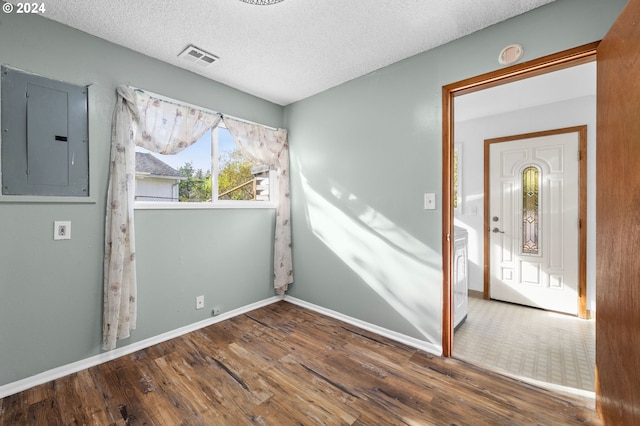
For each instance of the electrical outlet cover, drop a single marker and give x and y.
(199, 302)
(62, 230)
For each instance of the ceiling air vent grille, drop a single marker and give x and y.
(197, 56)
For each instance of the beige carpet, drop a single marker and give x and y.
(529, 343)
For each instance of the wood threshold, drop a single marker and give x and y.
(565, 59)
(285, 364)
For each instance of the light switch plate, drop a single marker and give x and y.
(62, 230)
(430, 201)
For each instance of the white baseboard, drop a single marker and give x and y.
(65, 370)
(393, 335)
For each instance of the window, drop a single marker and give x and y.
(211, 172)
(530, 207)
(457, 178)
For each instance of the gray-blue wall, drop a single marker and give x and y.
(51, 291)
(364, 153)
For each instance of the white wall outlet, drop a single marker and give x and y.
(216, 311)
(62, 230)
(199, 302)
(430, 201)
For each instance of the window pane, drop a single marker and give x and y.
(188, 176)
(530, 221)
(183, 177)
(455, 179)
(239, 178)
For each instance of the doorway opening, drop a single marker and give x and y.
(463, 205)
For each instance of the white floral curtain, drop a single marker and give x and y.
(159, 126)
(269, 146)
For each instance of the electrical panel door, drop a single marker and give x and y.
(45, 143)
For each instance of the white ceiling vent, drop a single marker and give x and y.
(198, 56)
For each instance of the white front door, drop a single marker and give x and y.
(534, 221)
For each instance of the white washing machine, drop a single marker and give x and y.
(460, 276)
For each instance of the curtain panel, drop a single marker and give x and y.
(167, 127)
(268, 146)
(159, 126)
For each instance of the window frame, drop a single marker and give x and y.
(215, 203)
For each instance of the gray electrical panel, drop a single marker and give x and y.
(44, 139)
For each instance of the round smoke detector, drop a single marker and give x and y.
(511, 54)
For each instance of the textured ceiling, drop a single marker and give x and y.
(287, 51)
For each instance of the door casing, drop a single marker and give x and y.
(565, 59)
(582, 200)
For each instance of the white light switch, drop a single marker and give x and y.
(62, 230)
(430, 201)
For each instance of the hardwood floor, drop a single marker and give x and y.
(286, 365)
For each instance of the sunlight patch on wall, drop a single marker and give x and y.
(402, 270)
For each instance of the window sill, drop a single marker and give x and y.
(198, 206)
(42, 199)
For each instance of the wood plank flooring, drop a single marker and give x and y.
(286, 365)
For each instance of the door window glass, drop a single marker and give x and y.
(530, 204)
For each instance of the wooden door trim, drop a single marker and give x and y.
(565, 59)
(582, 213)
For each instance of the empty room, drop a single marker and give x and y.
(248, 211)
